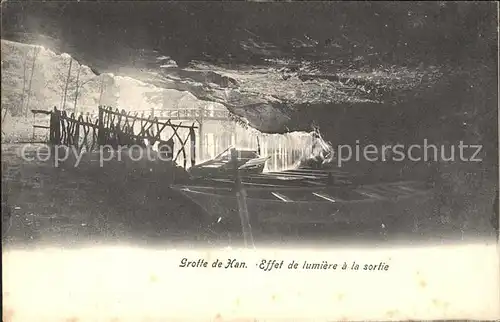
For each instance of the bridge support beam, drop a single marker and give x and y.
(201, 145)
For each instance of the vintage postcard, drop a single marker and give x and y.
(249, 161)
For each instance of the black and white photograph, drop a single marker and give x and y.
(243, 125)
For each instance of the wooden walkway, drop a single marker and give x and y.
(116, 129)
(196, 114)
(310, 185)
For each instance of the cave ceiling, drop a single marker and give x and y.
(269, 62)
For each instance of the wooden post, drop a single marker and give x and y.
(201, 144)
(57, 126)
(200, 133)
(52, 127)
(76, 135)
(101, 139)
(331, 179)
(192, 137)
(242, 203)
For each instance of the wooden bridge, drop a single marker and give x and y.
(215, 130)
(198, 114)
(203, 116)
(116, 128)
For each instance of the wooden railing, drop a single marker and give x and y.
(116, 129)
(189, 114)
